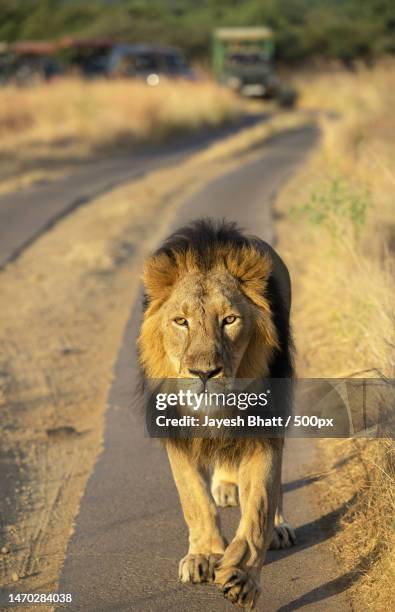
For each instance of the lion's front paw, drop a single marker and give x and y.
(198, 568)
(283, 536)
(225, 494)
(237, 585)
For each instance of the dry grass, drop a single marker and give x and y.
(362, 487)
(342, 209)
(52, 126)
(339, 238)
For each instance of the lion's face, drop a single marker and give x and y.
(206, 326)
(207, 321)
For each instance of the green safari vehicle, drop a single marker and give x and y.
(242, 59)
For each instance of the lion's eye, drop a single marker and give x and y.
(229, 320)
(181, 321)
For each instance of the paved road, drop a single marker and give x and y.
(27, 213)
(130, 534)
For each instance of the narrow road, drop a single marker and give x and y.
(27, 213)
(130, 534)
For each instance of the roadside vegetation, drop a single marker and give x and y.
(47, 129)
(338, 235)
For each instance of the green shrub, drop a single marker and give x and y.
(338, 206)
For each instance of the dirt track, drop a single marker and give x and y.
(30, 212)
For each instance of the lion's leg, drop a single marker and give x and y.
(224, 485)
(238, 573)
(284, 534)
(206, 544)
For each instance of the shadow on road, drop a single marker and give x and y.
(313, 533)
(330, 588)
(301, 482)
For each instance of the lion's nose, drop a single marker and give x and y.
(204, 375)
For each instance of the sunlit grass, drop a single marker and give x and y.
(339, 239)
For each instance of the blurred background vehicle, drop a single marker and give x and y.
(243, 59)
(28, 62)
(87, 57)
(148, 62)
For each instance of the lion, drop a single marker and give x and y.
(217, 305)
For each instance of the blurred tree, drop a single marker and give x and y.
(345, 29)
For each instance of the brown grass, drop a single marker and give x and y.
(50, 127)
(338, 235)
(363, 488)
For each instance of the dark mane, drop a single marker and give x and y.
(205, 237)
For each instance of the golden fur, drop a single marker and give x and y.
(246, 265)
(204, 276)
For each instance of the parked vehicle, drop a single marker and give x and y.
(87, 57)
(148, 62)
(106, 57)
(28, 62)
(243, 59)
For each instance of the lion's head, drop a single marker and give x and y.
(207, 314)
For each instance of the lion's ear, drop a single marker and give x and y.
(159, 276)
(252, 269)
